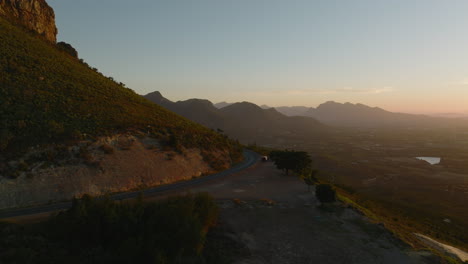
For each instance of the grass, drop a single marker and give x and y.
(406, 196)
(48, 96)
(402, 229)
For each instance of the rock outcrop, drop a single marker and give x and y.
(35, 15)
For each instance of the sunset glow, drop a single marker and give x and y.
(398, 55)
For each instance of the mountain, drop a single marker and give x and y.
(249, 121)
(47, 96)
(198, 110)
(360, 115)
(67, 130)
(35, 15)
(348, 114)
(222, 104)
(292, 110)
(244, 121)
(157, 98)
(450, 115)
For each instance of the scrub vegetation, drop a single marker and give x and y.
(102, 231)
(48, 96)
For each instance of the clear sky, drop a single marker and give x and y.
(402, 55)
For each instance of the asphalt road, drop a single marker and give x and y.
(250, 158)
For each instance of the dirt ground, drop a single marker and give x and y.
(278, 221)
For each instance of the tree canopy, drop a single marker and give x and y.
(325, 193)
(296, 161)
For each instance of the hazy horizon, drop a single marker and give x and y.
(400, 56)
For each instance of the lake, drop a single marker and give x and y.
(430, 160)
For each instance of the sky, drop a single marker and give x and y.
(401, 55)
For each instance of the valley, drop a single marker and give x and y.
(377, 166)
(92, 171)
(379, 170)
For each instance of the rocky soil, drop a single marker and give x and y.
(269, 217)
(108, 165)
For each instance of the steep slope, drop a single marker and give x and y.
(65, 129)
(46, 96)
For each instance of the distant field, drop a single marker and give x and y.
(379, 171)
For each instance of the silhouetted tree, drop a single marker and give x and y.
(325, 193)
(288, 160)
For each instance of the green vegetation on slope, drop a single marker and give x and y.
(48, 96)
(102, 231)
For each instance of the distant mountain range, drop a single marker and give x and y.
(222, 104)
(244, 121)
(262, 124)
(359, 115)
(451, 115)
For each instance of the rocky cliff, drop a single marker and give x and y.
(35, 15)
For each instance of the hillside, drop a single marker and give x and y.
(266, 125)
(70, 130)
(47, 96)
(244, 121)
(198, 110)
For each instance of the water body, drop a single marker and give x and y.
(430, 160)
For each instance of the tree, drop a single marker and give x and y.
(288, 160)
(325, 193)
(308, 175)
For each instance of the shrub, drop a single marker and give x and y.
(63, 46)
(102, 231)
(325, 193)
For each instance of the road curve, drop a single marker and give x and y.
(250, 158)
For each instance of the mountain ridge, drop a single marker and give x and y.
(360, 115)
(244, 121)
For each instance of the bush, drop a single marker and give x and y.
(102, 231)
(63, 46)
(325, 193)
